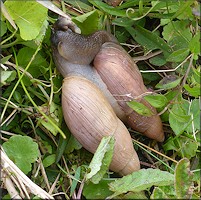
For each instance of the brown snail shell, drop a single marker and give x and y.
(90, 117)
(124, 81)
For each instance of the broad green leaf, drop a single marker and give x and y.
(49, 160)
(158, 194)
(133, 195)
(55, 115)
(168, 82)
(140, 108)
(22, 13)
(170, 95)
(178, 55)
(88, 23)
(192, 108)
(178, 119)
(178, 42)
(193, 91)
(3, 28)
(62, 144)
(184, 6)
(169, 190)
(179, 115)
(24, 56)
(97, 191)
(75, 180)
(194, 45)
(183, 179)
(72, 145)
(18, 96)
(48, 125)
(124, 21)
(5, 59)
(187, 148)
(177, 29)
(184, 146)
(148, 39)
(22, 151)
(157, 60)
(7, 77)
(101, 159)
(141, 180)
(156, 100)
(196, 75)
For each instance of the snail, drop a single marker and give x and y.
(98, 74)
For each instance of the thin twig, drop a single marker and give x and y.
(146, 57)
(54, 184)
(14, 194)
(166, 70)
(155, 151)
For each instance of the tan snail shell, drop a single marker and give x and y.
(90, 117)
(123, 79)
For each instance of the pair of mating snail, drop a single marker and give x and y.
(98, 76)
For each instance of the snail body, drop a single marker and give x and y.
(98, 73)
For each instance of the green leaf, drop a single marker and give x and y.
(22, 13)
(7, 77)
(187, 148)
(97, 191)
(134, 195)
(178, 120)
(157, 60)
(22, 151)
(55, 115)
(24, 56)
(178, 55)
(141, 180)
(48, 125)
(184, 146)
(148, 39)
(156, 100)
(177, 29)
(61, 148)
(184, 6)
(193, 91)
(196, 75)
(177, 112)
(5, 59)
(140, 108)
(49, 160)
(168, 82)
(75, 180)
(17, 96)
(194, 45)
(184, 116)
(191, 108)
(101, 159)
(3, 28)
(88, 23)
(169, 190)
(183, 179)
(72, 145)
(124, 21)
(158, 194)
